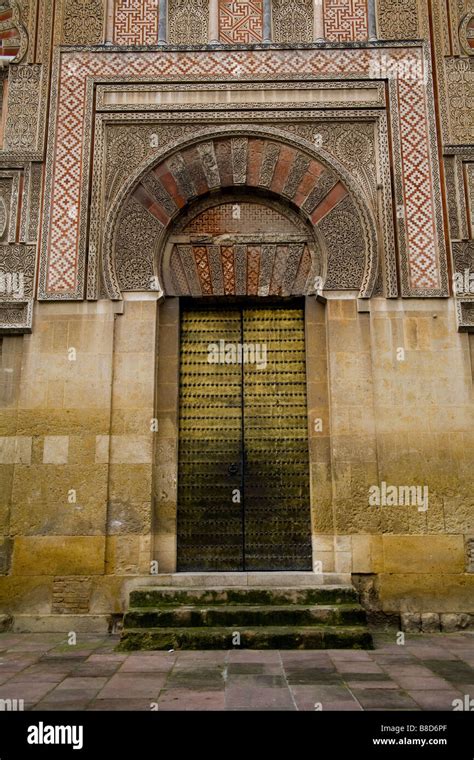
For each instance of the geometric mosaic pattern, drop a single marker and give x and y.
(136, 22)
(418, 208)
(241, 21)
(64, 273)
(241, 269)
(420, 220)
(345, 20)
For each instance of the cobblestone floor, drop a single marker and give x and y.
(427, 673)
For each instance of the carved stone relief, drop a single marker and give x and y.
(398, 19)
(34, 203)
(469, 167)
(188, 22)
(19, 259)
(459, 176)
(135, 246)
(83, 22)
(17, 274)
(6, 203)
(292, 20)
(352, 143)
(247, 162)
(452, 197)
(460, 93)
(466, 33)
(345, 245)
(128, 145)
(24, 104)
(13, 34)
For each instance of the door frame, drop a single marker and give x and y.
(165, 460)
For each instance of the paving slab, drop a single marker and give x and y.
(427, 673)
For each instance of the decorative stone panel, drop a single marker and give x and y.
(188, 22)
(136, 22)
(292, 20)
(345, 20)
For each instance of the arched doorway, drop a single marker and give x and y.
(238, 229)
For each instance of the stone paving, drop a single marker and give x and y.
(426, 673)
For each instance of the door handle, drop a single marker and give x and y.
(233, 469)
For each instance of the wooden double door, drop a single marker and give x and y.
(243, 475)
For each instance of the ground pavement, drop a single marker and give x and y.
(428, 672)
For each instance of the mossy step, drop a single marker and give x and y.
(269, 637)
(243, 615)
(162, 596)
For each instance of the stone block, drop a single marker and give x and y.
(128, 555)
(426, 592)
(6, 545)
(90, 421)
(15, 449)
(423, 554)
(131, 449)
(130, 482)
(323, 543)
(30, 594)
(82, 449)
(411, 622)
(343, 544)
(327, 562)
(343, 562)
(451, 621)
(58, 555)
(129, 517)
(55, 484)
(430, 622)
(55, 450)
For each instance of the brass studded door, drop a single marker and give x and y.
(243, 478)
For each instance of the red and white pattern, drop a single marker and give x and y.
(136, 22)
(408, 69)
(241, 21)
(61, 254)
(345, 20)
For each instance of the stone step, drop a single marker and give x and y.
(285, 579)
(153, 597)
(261, 637)
(241, 615)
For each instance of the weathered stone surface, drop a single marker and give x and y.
(451, 622)
(5, 623)
(58, 555)
(430, 622)
(428, 554)
(426, 592)
(411, 622)
(266, 618)
(256, 638)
